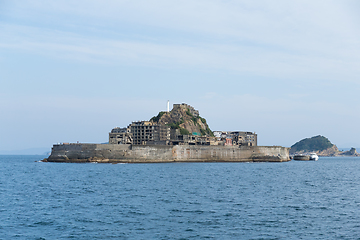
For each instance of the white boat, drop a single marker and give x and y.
(313, 157)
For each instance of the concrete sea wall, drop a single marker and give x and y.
(113, 153)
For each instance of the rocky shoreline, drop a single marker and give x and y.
(330, 152)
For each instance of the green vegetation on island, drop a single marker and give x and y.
(157, 118)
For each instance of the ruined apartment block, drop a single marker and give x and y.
(120, 136)
(237, 138)
(149, 133)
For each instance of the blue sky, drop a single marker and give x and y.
(72, 70)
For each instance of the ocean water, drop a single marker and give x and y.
(293, 200)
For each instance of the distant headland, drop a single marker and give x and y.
(321, 146)
(179, 135)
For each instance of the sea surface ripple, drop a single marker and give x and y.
(293, 200)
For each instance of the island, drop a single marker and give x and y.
(320, 145)
(179, 135)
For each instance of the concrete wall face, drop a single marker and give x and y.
(165, 153)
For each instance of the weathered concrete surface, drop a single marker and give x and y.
(112, 153)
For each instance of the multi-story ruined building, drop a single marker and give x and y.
(244, 138)
(237, 138)
(141, 133)
(148, 133)
(120, 136)
(193, 140)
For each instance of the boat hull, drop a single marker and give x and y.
(311, 157)
(301, 158)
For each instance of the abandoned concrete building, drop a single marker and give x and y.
(149, 133)
(236, 138)
(120, 136)
(193, 140)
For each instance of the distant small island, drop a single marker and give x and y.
(321, 146)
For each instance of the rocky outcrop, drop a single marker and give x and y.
(184, 118)
(330, 152)
(352, 152)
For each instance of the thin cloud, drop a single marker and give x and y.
(258, 60)
(281, 39)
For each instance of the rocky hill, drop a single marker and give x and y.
(321, 146)
(184, 118)
(314, 144)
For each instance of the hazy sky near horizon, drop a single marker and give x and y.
(72, 70)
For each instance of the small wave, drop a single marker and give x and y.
(41, 223)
